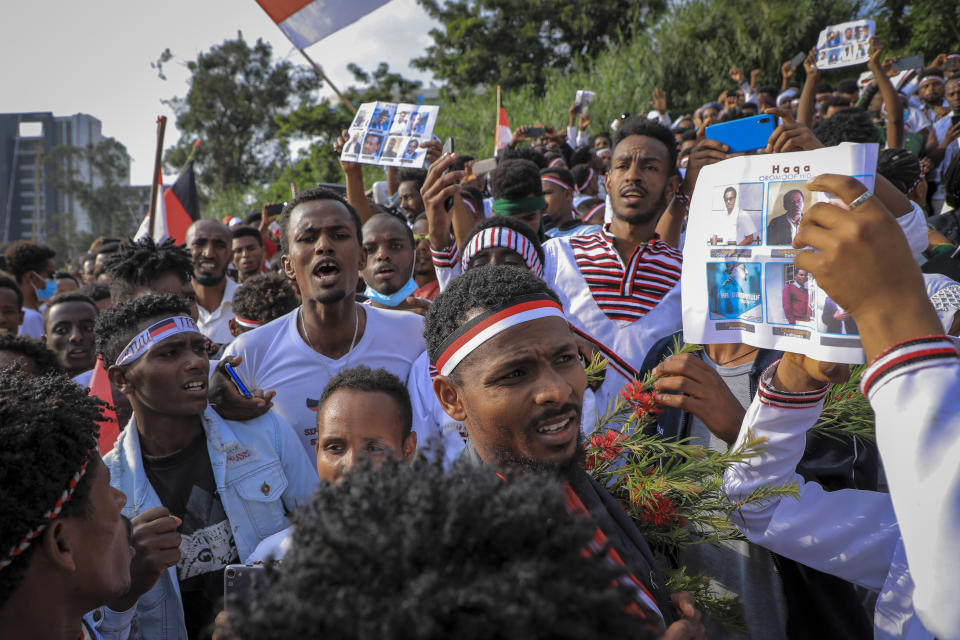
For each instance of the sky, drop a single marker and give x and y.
(72, 57)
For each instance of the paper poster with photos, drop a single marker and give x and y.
(391, 134)
(845, 44)
(739, 283)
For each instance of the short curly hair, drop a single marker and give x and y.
(136, 264)
(643, 126)
(48, 429)
(43, 357)
(118, 325)
(312, 195)
(72, 296)
(265, 298)
(416, 176)
(900, 167)
(415, 553)
(515, 179)
(481, 289)
(852, 124)
(363, 378)
(23, 257)
(524, 153)
(95, 291)
(9, 283)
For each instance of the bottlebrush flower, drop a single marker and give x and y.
(607, 445)
(643, 402)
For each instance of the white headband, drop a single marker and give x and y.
(503, 237)
(482, 328)
(155, 333)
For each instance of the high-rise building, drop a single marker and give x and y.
(30, 204)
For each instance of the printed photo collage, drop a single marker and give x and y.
(844, 44)
(390, 134)
(750, 273)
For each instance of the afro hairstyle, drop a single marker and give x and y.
(264, 298)
(416, 176)
(510, 223)
(515, 179)
(23, 257)
(137, 264)
(363, 378)
(643, 126)
(48, 430)
(118, 325)
(852, 124)
(43, 357)
(313, 195)
(411, 552)
(482, 289)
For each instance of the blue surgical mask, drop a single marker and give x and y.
(50, 287)
(393, 299)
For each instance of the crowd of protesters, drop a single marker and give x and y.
(382, 397)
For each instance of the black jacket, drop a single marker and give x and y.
(818, 605)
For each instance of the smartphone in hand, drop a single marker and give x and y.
(745, 134)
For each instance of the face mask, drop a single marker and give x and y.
(50, 286)
(394, 299)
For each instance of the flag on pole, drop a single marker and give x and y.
(502, 137)
(308, 21)
(179, 208)
(100, 388)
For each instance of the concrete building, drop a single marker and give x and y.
(30, 205)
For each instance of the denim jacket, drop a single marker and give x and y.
(262, 475)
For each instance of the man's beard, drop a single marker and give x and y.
(644, 218)
(210, 280)
(564, 469)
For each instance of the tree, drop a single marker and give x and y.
(97, 178)
(236, 94)
(929, 27)
(515, 43)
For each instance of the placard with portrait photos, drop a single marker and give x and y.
(390, 134)
(739, 283)
(845, 44)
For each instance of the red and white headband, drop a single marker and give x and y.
(503, 237)
(933, 79)
(153, 334)
(485, 326)
(50, 515)
(557, 181)
(554, 162)
(586, 183)
(249, 324)
(469, 205)
(592, 211)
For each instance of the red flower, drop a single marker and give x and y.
(657, 509)
(607, 445)
(643, 402)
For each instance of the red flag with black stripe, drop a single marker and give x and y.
(99, 386)
(181, 204)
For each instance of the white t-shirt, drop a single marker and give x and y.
(215, 324)
(733, 227)
(276, 357)
(32, 326)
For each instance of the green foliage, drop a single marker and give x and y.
(846, 412)
(236, 93)
(723, 609)
(517, 43)
(112, 204)
(930, 27)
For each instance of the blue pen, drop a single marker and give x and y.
(242, 388)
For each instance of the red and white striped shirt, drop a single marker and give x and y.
(626, 293)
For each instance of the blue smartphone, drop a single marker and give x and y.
(238, 383)
(745, 134)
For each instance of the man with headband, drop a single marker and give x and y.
(497, 241)
(509, 369)
(558, 190)
(212, 488)
(64, 546)
(389, 268)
